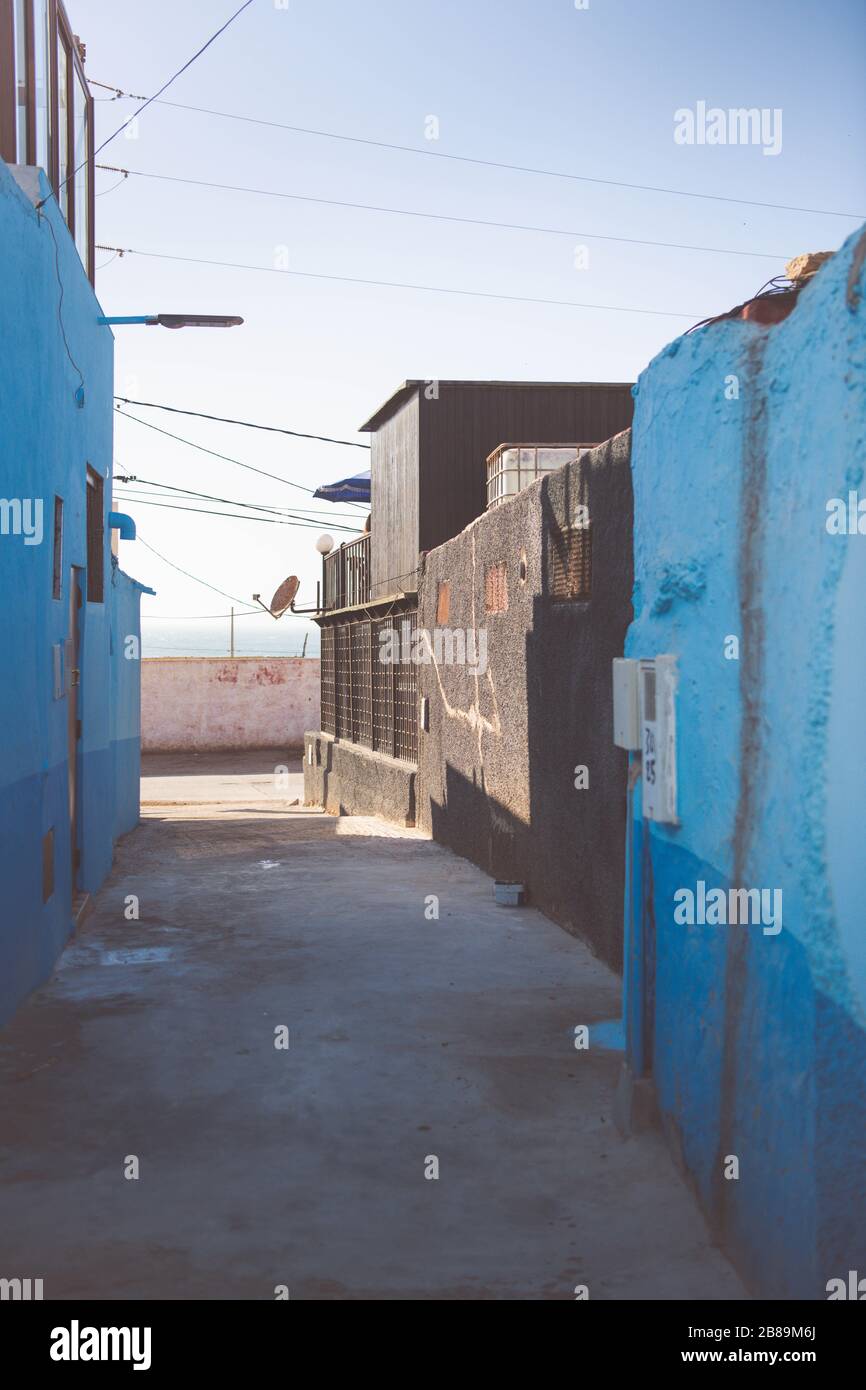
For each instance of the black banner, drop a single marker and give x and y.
(160, 1339)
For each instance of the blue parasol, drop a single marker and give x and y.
(356, 489)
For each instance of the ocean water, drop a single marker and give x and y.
(259, 635)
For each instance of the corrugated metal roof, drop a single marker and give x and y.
(409, 387)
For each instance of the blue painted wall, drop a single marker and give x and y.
(46, 443)
(126, 699)
(758, 1045)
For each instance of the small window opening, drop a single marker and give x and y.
(496, 589)
(443, 603)
(571, 570)
(57, 574)
(95, 537)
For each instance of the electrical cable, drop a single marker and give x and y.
(223, 420)
(401, 285)
(212, 617)
(230, 516)
(440, 216)
(105, 191)
(194, 577)
(124, 414)
(515, 168)
(150, 100)
(106, 87)
(281, 513)
(43, 217)
(302, 514)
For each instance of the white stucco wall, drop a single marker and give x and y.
(222, 702)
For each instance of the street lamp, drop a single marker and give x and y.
(177, 320)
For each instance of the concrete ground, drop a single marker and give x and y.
(409, 1039)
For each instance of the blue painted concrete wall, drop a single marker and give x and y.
(46, 443)
(742, 435)
(126, 700)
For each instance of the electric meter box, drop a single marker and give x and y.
(626, 703)
(658, 742)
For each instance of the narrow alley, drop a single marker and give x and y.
(305, 1167)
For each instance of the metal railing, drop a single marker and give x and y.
(346, 575)
(369, 684)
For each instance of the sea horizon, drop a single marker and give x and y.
(254, 635)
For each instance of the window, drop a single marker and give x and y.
(57, 580)
(22, 115)
(496, 589)
(42, 84)
(64, 169)
(571, 568)
(80, 157)
(512, 467)
(95, 537)
(46, 112)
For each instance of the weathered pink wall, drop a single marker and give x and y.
(223, 702)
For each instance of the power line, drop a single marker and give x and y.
(221, 419)
(150, 100)
(194, 577)
(113, 186)
(47, 222)
(231, 516)
(106, 87)
(124, 415)
(439, 216)
(287, 517)
(303, 514)
(401, 285)
(212, 617)
(499, 164)
(165, 86)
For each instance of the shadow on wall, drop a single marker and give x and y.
(519, 772)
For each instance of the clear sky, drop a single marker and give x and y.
(541, 83)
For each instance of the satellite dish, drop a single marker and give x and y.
(285, 596)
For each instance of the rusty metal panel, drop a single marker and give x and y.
(496, 588)
(571, 564)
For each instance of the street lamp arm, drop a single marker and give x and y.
(174, 320)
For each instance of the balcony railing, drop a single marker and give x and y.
(346, 575)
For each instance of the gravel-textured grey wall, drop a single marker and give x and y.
(496, 779)
(350, 780)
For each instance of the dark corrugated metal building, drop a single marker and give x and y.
(431, 440)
